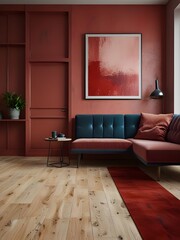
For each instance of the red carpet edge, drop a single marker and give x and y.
(154, 210)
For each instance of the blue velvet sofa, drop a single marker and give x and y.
(115, 134)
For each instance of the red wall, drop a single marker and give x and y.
(169, 98)
(148, 20)
(79, 19)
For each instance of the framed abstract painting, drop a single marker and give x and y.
(113, 66)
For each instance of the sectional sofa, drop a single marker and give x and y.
(153, 138)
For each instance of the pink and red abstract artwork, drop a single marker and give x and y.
(113, 66)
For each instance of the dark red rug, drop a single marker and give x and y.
(155, 211)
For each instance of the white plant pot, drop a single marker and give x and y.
(14, 113)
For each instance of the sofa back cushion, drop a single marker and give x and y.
(173, 134)
(131, 122)
(153, 126)
(99, 126)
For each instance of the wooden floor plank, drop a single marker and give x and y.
(39, 202)
(124, 226)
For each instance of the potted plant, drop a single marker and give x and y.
(15, 103)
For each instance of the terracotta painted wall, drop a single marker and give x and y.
(148, 20)
(169, 98)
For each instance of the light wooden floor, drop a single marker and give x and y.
(37, 202)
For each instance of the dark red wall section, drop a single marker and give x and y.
(42, 48)
(148, 20)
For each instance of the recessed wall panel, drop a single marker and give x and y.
(3, 136)
(3, 69)
(16, 67)
(48, 36)
(16, 138)
(48, 85)
(16, 28)
(3, 28)
(42, 128)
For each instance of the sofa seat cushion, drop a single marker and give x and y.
(101, 143)
(156, 151)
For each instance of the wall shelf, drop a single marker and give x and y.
(12, 44)
(12, 120)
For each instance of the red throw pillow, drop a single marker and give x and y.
(153, 126)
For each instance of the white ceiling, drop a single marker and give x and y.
(83, 1)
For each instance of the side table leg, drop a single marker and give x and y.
(61, 157)
(61, 154)
(49, 153)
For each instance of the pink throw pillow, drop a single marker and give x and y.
(153, 126)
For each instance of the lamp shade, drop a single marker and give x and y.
(157, 93)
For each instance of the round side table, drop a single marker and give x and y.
(61, 162)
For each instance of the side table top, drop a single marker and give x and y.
(58, 139)
(63, 139)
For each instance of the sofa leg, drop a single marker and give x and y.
(158, 173)
(79, 159)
